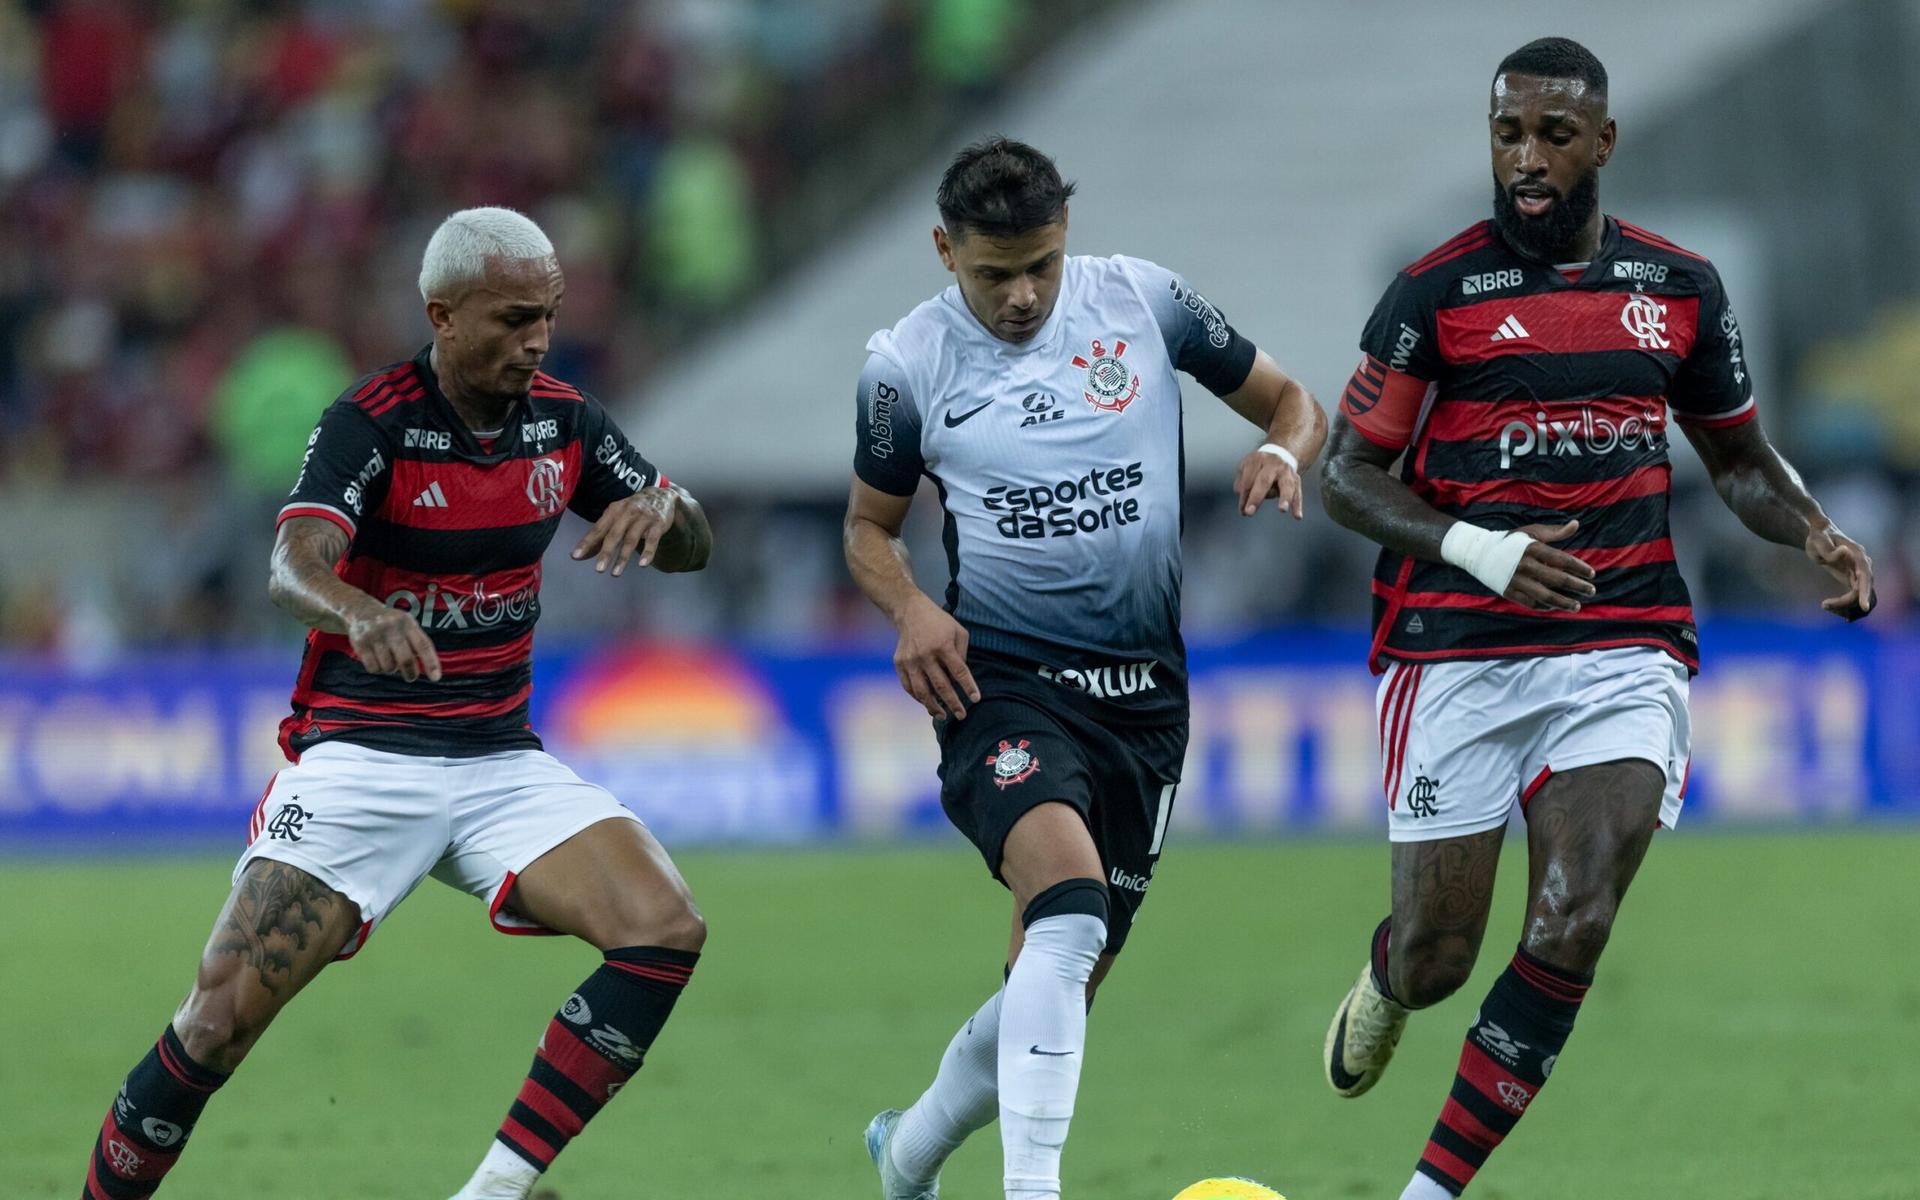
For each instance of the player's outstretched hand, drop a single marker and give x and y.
(1263, 477)
(390, 642)
(636, 523)
(931, 660)
(1547, 578)
(1847, 561)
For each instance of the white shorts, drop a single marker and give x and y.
(1462, 742)
(371, 825)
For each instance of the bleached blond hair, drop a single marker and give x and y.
(458, 251)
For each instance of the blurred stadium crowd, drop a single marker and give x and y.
(210, 220)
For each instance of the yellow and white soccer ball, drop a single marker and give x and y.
(1229, 1189)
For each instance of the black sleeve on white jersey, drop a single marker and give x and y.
(345, 472)
(1199, 339)
(886, 430)
(610, 468)
(1713, 385)
(1400, 331)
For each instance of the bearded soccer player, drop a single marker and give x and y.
(1039, 393)
(412, 545)
(1535, 637)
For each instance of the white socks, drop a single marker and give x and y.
(503, 1175)
(963, 1097)
(1043, 1033)
(1423, 1188)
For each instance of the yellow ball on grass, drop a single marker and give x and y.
(1229, 1189)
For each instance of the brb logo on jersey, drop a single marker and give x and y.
(1111, 385)
(1012, 764)
(546, 486)
(1585, 434)
(1646, 319)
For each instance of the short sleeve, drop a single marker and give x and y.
(611, 469)
(345, 472)
(886, 427)
(1199, 339)
(1400, 332)
(1713, 387)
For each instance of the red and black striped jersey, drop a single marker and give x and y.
(1526, 394)
(450, 528)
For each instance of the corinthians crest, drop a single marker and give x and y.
(1111, 385)
(1012, 764)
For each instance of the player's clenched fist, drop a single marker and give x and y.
(636, 523)
(390, 642)
(931, 660)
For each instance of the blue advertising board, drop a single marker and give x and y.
(714, 743)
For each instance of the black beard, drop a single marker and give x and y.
(1551, 236)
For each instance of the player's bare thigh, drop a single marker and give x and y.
(1587, 832)
(278, 928)
(1442, 893)
(611, 885)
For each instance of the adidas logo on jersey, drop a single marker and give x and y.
(432, 497)
(1510, 328)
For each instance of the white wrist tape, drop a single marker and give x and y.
(1280, 452)
(1490, 557)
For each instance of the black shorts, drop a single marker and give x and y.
(1019, 749)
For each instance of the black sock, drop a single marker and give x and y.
(1510, 1050)
(593, 1046)
(1378, 957)
(149, 1122)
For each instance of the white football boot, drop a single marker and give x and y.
(880, 1150)
(503, 1175)
(1361, 1040)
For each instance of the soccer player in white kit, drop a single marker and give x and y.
(411, 545)
(1039, 393)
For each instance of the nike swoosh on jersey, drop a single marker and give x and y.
(1049, 1053)
(954, 422)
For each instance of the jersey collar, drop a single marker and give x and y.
(464, 441)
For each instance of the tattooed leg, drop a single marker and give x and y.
(1587, 831)
(280, 926)
(1442, 891)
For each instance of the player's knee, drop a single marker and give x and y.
(1426, 974)
(219, 1027)
(1572, 934)
(685, 929)
(674, 923)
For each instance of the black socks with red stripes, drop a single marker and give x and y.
(149, 1122)
(1509, 1053)
(594, 1046)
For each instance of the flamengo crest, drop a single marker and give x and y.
(1013, 764)
(1110, 386)
(1646, 319)
(546, 485)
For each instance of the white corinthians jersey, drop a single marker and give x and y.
(1060, 466)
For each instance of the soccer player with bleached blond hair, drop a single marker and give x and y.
(411, 547)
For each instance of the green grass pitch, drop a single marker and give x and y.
(1755, 1032)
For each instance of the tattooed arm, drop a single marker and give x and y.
(303, 581)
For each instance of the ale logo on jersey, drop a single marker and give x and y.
(546, 485)
(1646, 319)
(1111, 385)
(1012, 763)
